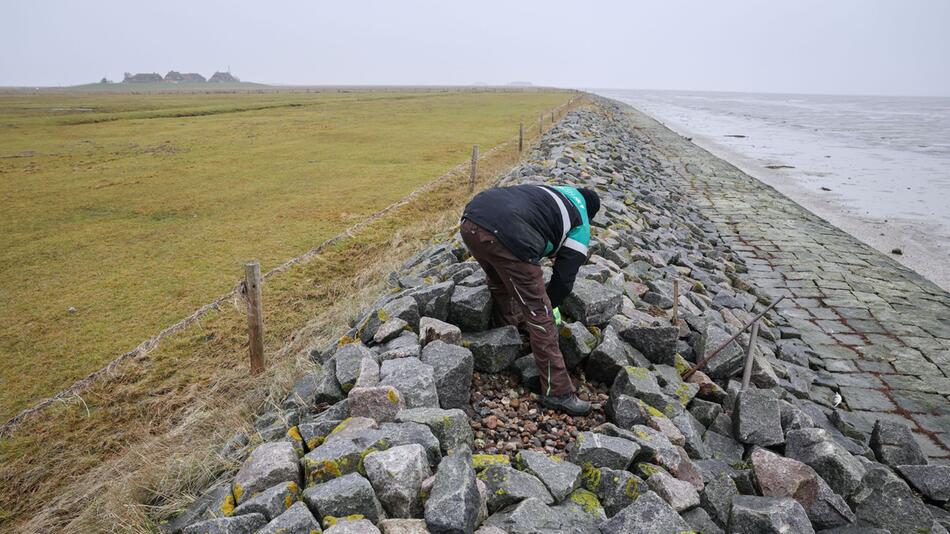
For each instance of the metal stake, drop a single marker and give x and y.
(747, 374)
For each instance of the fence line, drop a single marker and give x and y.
(238, 291)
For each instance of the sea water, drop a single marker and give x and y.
(876, 166)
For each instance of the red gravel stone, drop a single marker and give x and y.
(508, 418)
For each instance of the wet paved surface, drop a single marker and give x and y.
(881, 330)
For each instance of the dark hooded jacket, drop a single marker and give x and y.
(529, 221)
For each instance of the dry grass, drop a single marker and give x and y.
(143, 209)
(143, 441)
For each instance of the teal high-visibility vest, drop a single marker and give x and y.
(578, 237)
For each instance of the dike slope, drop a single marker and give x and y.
(381, 439)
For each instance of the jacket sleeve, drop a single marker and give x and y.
(566, 264)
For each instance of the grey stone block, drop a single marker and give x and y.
(295, 520)
(767, 515)
(894, 444)
(493, 350)
(396, 475)
(592, 303)
(649, 514)
(269, 464)
(452, 368)
(452, 506)
(244, 524)
(414, 380)
(599, 450)
(344, 496)
(561, 478)
(470, 308)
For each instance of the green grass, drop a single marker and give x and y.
(151, 87)
(137, 212)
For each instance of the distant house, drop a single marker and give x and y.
(192, 77)
(223, 77)
(174, 76)
(143, 77)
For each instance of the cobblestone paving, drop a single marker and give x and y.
(881, 331)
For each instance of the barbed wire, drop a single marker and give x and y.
(236, 294)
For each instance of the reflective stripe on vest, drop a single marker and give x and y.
(565, 219)
(575, 245)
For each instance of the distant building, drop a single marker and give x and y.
(192, 77)
(143, 77)
(521, 84)
(174, 76)
(223, 77)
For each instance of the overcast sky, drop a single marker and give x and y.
(899, 47)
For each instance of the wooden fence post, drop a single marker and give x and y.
(255, 315)
(541, 124)
(474, 168)
(520, 136)
(676, 300)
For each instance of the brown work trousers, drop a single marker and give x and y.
(520, 299)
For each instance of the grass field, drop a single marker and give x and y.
(134, 210)
(142, 442)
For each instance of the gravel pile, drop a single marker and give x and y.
(507, 417)
(422, 417)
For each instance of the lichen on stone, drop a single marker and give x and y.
(238, 491)
(482, 461)
(392, 396)
(326, 469)
(227, 507)
(632, 488)
(294, 434)
(648, 469)
(650, 410)
(741, 465)
(591, 476)
(329, 520)
(369, 450)
(587, 500)
(637, 372)
(680, 363)
(343, 424)
(682, 394)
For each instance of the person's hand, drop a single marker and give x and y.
(557, 316)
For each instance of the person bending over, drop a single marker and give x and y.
(509, 230)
